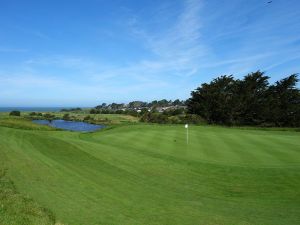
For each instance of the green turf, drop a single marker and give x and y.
(17, 209)
(147, 174)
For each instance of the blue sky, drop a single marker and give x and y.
(84, 52)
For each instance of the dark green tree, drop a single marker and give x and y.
(49, 117)
(214, 101)
(284, 102)
(15, 113)
(66, 116)
(251, 101)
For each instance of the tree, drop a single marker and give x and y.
(102, 106)
(177, 102)
(162, 103)
(137, 104)
(49, 117)
(15, 113)
(143, 111)
(284, 102)
(66, 116)
(94, 111)
(116, 106)
(250, 101)
(214, 101)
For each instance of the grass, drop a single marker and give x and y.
(101, 118)
(96, 118)
(17, 209)
(147, 174)
(21, 123)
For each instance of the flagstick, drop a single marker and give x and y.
(187, 133)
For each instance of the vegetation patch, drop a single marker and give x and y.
(16, 209)
(22, 123)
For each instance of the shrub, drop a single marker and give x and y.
(179, 119)
(87, 118)
(15, 113)
(192, 118)
(66, 116)
(49, 117)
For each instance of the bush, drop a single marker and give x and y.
(15, 113)
(154, 118)
(174, 112)
(49, 117)
(66, 116)
(179, 119)
(192, 118)
(87, 118)
(95, 111)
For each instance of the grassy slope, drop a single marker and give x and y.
(146, 174)
(17, 209)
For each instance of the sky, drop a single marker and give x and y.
(85, 52)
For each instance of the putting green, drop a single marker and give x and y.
(147, 174)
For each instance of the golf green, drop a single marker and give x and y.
(148, 174)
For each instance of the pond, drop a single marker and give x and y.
(70, 125)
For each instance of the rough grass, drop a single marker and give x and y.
(98, 118)
(147, 174)
(22, 123)
(16, 209)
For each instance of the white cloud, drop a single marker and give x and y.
(177, 48)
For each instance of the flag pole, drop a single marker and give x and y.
(187, 133)
(187, 136)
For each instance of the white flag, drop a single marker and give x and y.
(186, 126)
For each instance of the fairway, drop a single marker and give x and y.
(147, 174)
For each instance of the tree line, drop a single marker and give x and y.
(248, 101)
(140, 104)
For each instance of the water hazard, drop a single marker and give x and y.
(70, 125)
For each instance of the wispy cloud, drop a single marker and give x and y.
(177, 47)
(175, 53)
